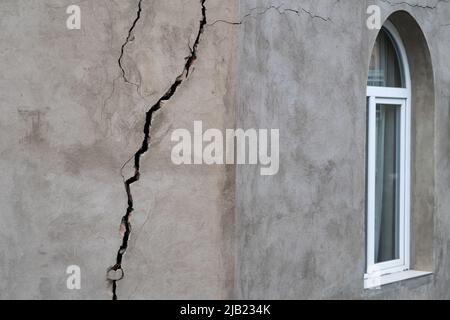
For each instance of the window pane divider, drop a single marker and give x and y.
(382, 92)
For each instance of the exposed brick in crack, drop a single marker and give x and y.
(116, 272)
(129, 38)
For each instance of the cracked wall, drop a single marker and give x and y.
(75, 105)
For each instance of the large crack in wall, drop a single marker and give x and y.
(116, 272)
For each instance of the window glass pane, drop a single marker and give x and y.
(387, 183)
(385, 67)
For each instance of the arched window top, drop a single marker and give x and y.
(388, 63)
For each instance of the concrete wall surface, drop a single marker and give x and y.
(303, 68)
(72, 117)
(75, 104)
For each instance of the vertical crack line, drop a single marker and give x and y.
(116, 273)
(130, 37)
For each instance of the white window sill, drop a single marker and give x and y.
(374, 282)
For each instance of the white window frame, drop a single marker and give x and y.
(399, 97)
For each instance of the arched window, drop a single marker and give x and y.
(388, 156)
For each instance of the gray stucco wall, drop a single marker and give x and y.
(71, 119)
(301, 234)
